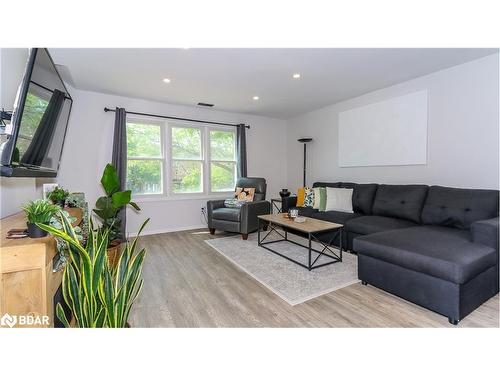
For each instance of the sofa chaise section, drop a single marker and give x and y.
(449, 264)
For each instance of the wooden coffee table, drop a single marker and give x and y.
(311, 227)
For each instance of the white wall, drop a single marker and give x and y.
(13, 191)
(88, 148)
(463, 133)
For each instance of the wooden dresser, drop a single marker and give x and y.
(27, 282)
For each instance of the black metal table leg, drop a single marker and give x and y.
(310, 250)
(311, 264)
(341, 243)
(258, 231)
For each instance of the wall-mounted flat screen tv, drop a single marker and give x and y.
(39, 121)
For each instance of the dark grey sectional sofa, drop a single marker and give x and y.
(432, 245)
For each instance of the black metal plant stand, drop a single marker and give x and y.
(327, 250)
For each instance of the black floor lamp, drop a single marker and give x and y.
(305, 141)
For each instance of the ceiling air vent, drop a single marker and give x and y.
(205, 104)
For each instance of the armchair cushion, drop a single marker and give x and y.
(227, 213)
(254, 182)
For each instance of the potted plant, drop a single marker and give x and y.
(109, 206)
(39, 211)
(98, 295)
(58, 196)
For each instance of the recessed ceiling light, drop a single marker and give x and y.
(296, 75)
(255, 98)
(166, 80)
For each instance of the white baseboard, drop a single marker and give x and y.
(165, 230)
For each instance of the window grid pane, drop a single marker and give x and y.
(222, 145)
(145, 177)
(186, 143)
(144, 140)
(222, 176)
(187, 176)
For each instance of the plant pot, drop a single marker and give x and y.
(35, 232)
(114, 252)
(75, 212)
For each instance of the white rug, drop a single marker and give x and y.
(288, 280)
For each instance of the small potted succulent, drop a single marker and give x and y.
(39, 211)
(58, 196)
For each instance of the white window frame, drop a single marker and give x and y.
(162, 158)
(166, 146)
(210, 160)
(202, 160)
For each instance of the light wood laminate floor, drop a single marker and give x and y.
(189, 284)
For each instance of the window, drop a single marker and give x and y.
(35, 106)
(187, 160)
(144, 158)
(179, 159)
(222, 160)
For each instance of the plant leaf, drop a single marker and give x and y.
(109, 180)
(62, 315)
(136, 207)
(121, 199)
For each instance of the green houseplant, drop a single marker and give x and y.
(58, 196)
(39, 211)
(98, 295)
(109, 206)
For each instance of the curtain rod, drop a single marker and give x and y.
(106, 109)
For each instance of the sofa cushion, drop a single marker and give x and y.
(441, 252)
(401, 201)
(332, 216)
(335, 216)
(327, 184)
(362, 196)
(226, 213)
(374, 224)
(459, 208)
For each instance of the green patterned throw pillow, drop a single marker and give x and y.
(308, 197)
(322, 199)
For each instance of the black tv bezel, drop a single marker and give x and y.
(7, 169)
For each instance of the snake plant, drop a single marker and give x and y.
(98, 295)
(40, 211)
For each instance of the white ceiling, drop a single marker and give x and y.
(229, 78)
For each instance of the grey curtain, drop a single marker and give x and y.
(241, 150)
(39, 146)
(119, 159)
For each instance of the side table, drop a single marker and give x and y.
(274, 205)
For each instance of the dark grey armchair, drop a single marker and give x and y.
(242, 219)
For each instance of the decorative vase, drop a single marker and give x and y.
(35, 232)
(284, 193)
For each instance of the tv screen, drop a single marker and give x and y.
(39, 120)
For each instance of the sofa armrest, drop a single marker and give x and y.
(288, 202)
(249, 213)
(211, 206)
(485, 232)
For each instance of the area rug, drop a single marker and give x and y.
(286, 279)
